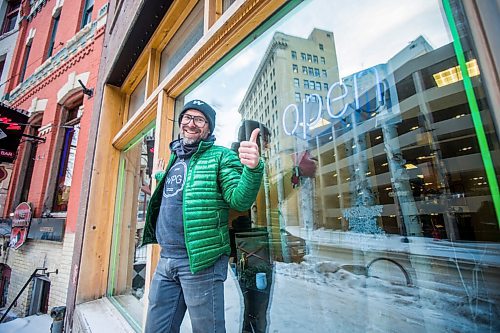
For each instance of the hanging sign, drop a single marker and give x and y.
(20, 225)
(12, 124)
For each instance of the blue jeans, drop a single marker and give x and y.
(174, 288)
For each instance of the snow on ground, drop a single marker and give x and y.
(323, 297)
(30, 324)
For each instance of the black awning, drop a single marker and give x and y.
(12, 125)
(147, 20)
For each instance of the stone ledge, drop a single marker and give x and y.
(99, 316)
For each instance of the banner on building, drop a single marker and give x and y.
(20, 225)
(12, 124)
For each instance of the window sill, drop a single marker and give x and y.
(99, 316)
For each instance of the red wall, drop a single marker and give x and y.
(86, 60)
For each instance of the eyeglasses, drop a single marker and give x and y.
(198, 121)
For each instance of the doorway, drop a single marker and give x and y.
(40, 296)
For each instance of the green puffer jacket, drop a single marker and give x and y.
(215, 182)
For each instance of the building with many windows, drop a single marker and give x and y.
(9, 13)
(51, 77)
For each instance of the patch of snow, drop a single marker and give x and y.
(30, 324)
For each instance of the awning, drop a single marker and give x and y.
(12, 125)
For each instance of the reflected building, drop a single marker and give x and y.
(381, 151)
(292, 69)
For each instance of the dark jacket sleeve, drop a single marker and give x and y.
(239, 184)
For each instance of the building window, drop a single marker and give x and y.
(296, 82)
(87, 12)
(321, 47)
(315, 59)
(318, 85)
(64, 178)
(311, 71)
(295, 68)
(325, 86)
(26, 57)
(323, 73)
(309, 57)
(303, 56)
(323, 61)
(10, 20)
(297, 97)
(306, 84)
(50, 49)
(2, 64)
(294, 55)
(316, 72)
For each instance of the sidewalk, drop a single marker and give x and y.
(30, 324)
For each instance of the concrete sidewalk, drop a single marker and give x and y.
(30, 324)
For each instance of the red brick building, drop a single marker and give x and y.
(52, 74)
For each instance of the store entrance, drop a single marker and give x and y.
(40, 296)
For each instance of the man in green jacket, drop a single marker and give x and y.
(188, 217)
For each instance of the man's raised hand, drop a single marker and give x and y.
(249, 151)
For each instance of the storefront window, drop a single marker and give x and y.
(377, 209)
(128, 259)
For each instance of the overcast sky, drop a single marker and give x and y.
(366, 33)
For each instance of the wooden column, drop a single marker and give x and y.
(94, 264)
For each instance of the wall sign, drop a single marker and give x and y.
(20, 225)
(51, 229)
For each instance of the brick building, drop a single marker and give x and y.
(54, 67)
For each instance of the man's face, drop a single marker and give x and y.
(192, 132)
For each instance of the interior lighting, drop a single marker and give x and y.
(454, 74)
(410, 166)
(378, 137)
(420, 176)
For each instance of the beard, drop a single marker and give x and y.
(194, 140)
(190, 141)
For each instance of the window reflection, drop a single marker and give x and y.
(375, 203)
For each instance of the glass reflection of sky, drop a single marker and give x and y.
(366, 33)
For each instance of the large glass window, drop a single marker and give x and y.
(128, 260)
(377, 210)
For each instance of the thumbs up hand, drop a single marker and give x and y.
(249, 151)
